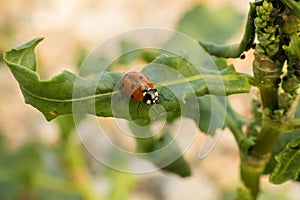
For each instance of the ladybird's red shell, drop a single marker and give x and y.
(132, 84)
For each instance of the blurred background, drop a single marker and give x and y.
(45, 160)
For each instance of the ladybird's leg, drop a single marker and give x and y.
(155, 110)
(164, 97)
(138, 108)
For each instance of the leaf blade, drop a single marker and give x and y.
(287, 163)
(68, 93)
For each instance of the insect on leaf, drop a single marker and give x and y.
(67, 93)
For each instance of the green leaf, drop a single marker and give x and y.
(206, 24)
(288, 163)
(208, 112)
(179, 166)
(203, 111)
(234, 51)
(24, 165)
(182, 77)
(203, 23)
(280, 145)
(68, 93)
(27, 171)
(54, 97)
(162, 151)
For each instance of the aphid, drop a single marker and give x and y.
(140, 88)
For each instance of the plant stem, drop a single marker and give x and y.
(254, 161)
(269, 97)
(253, 165)
(271, 129)
(267, 70)
(250, 175)
(76, 169)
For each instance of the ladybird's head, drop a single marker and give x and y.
(150, 96)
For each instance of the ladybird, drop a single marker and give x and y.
(140, 88)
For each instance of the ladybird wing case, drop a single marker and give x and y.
(132, 84)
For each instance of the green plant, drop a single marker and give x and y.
(270, 143)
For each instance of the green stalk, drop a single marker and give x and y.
(234, 51)
(250, 175)
(73, 160)
(253, 165)
(267, 68)
(254, 161)
(271, 129)
(76, 169)
(269, 97)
